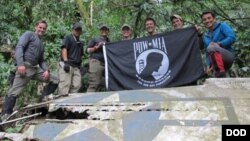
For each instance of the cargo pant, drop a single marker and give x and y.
(96, 71)
(32, 73)
(70, 82)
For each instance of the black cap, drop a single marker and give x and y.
(104, 27)
(77, 26)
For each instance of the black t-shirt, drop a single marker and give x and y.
(98, 54)
(74, 49)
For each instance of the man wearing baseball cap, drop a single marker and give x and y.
(96, 61)
(126, 32)
(71, 54)
(176, 21)
(104, 27)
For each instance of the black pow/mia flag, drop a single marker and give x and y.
(164, 60)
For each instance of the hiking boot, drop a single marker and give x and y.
(218, 64)
(50, 88)
(220, 74)
(47, 92)
(8, 105)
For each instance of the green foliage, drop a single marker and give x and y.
(61, 15)
(5, 69)
(16, 129)
(242, 63)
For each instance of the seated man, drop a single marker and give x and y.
(218, 44)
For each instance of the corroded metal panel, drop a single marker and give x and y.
(183, 113)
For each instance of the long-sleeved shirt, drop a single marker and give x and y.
(222, 34)
(30, 49)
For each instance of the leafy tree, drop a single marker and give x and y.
(18, 16)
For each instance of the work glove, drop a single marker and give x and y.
(66, 66)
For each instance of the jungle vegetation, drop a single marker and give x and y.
(17, 16)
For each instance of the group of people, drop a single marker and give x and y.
(217, 41)
(31, 65)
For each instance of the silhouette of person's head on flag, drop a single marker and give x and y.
(154, 62)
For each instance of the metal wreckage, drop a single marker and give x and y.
(181, 113)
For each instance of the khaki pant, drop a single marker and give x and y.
(96, 70)
(69, 82)
(32, 73)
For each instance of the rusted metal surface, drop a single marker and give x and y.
(183, 113)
